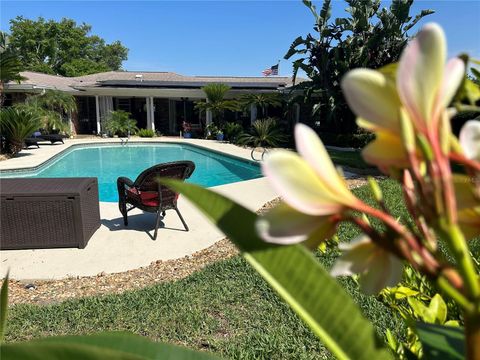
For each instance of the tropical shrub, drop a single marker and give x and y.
(371, 36)
(120, 123)
(264, 133)
(17, 124)
(415, 299)
(146, 133)
(232, 131)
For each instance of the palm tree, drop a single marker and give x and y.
(52, 105)
(216, 103)
(10, 66)
(55, 100)
(262, 100)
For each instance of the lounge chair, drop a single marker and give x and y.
(53, 138)
(32, 141)
(147, 194)
(39, 137)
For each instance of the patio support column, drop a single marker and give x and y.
(152, 114)
(253, 113)
(149, 113)
(97, 109)
(208, 119)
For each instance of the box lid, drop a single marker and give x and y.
(45, 186)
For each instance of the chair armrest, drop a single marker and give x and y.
(124, 181)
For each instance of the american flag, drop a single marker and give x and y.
(271, 71)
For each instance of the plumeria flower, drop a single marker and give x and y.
(377, 267)
(315, 194)
(423, 89)
(470, 139)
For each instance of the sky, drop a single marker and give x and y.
(239, 38)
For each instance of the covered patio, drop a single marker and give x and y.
(159, 101)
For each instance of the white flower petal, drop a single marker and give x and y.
(385, 271)
(372, 97)
(470, 139)
(420, 73)
(299, 185)
(454, 75)
(355, 258)
(285, 225)
(312, 150)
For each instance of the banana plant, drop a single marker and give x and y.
(371, 36)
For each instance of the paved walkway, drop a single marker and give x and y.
(114, 248)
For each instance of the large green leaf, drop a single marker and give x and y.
(100, 346)
(3, 307)
(296, 275)
(441, 342)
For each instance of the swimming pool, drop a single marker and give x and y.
(108, 162)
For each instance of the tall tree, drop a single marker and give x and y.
(63, 47)
(371, 36)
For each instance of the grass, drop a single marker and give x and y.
(227, 308)
(348, 158)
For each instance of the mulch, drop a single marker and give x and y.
(53, 291)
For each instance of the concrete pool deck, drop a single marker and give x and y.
(116, 248)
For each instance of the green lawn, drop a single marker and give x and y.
(348, 158)
(226, 308)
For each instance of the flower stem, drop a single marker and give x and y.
(459, 248)
(456, 295)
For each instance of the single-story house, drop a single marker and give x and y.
(160, 101)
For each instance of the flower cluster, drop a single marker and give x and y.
(408, 112)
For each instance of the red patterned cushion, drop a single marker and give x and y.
(147, 198)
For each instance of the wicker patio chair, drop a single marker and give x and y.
(147, 194)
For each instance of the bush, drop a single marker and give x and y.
(233, 131)
(119, 123)
(264, 133)
(358, 140)
(147, 133)
(16, 124)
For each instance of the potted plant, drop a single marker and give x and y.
(211, 131)
(187, 130)
(220, 135)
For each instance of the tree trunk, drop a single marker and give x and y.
(15, 146)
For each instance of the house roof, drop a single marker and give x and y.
(142, 79)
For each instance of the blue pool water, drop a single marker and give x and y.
(108, 162)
